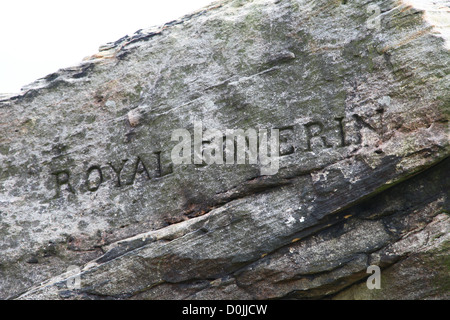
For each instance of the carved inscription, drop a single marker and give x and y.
(314, 130)
(62, 179)
(315, 135)
(117, 171)
(93, 185)
(95, 174)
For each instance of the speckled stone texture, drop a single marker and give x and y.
(359, 91)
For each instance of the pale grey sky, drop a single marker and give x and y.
(40, 37)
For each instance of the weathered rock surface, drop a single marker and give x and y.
(360, 96)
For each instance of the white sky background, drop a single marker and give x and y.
(38, 37)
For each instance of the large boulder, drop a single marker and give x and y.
(93, 203)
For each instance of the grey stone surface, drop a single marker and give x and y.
(87, 180)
